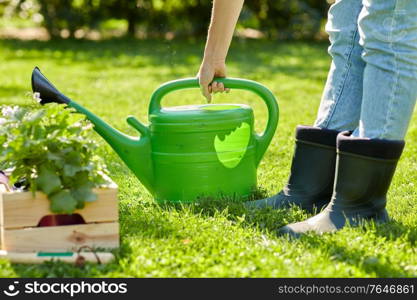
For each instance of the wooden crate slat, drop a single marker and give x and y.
(61, 238)
(34, 258)
(22, 210)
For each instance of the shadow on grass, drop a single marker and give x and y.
(360, 258)
(268, 220)
(264, 219)
(394, 230)
(254, 57)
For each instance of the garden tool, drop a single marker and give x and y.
(187, 152)
(310, 184)
(364, 171)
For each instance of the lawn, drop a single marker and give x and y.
(115, 78)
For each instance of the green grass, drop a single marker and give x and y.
(115, 78)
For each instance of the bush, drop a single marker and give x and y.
(70, 15)
(295, 19)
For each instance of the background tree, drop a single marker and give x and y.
(295, 19)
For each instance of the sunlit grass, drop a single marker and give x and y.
(115, 78)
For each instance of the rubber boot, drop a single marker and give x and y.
(364, 170)
(310, 184)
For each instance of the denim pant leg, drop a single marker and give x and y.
(388, 34)
(341, 102)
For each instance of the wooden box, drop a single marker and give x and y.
(20, 214)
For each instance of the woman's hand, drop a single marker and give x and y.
(210, 69)
(222, 25)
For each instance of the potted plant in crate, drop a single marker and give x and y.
(58, 180)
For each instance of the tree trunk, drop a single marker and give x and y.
(131, 28)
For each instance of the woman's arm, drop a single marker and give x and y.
(223, 22)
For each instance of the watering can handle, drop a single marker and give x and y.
(232, 83)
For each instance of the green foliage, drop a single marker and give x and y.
(287, 19)
(50, 148)
(295, 19)
(69, 14)
(27, 12)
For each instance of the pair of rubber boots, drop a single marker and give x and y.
(349, 177)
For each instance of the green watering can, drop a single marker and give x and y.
(190, 151)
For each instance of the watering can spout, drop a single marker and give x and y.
(50, 94)
(135, 152)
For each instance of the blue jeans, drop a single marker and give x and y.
(372, 84)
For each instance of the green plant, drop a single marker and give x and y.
(49, 148)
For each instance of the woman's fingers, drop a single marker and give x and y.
(206, 91)
(218, 87)
(212, 88)
(207, 72)
(204, 79)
